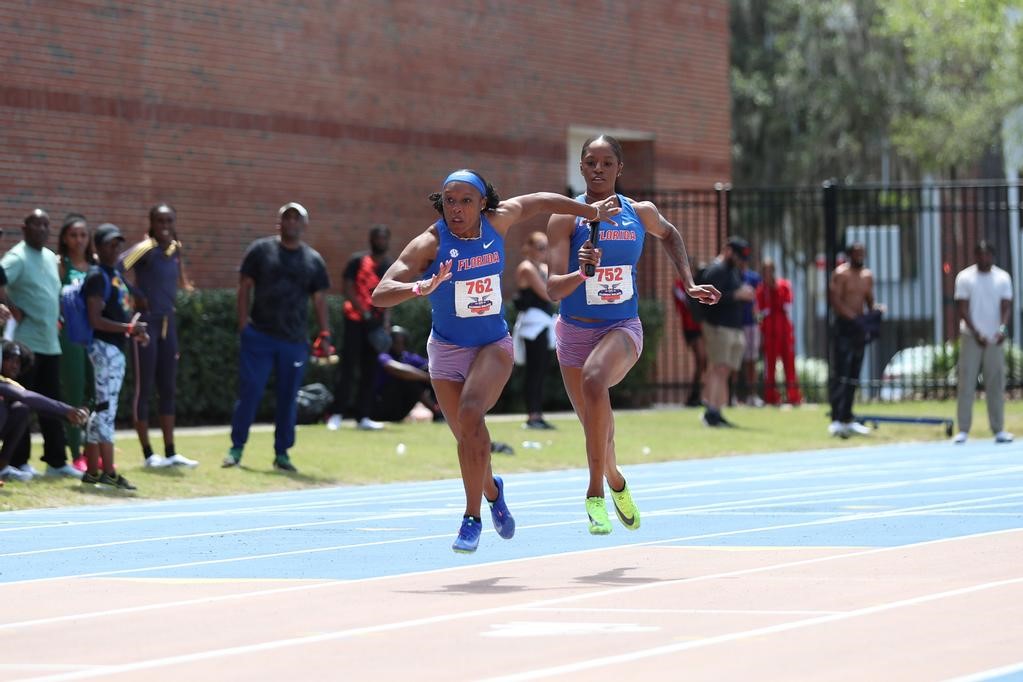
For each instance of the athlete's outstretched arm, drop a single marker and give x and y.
(400, 282)
(561, 283)
(517, 209)
(658, 226)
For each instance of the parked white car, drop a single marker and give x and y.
(914, 369)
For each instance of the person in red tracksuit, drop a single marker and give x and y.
(774, 301)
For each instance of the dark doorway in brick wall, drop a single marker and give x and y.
(639, 167)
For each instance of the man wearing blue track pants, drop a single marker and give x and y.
(278, 276)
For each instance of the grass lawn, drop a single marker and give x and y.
(351, 457)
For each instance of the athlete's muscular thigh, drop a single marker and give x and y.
(488, 374)
(612, 359)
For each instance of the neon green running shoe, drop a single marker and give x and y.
(626, 509)
(599, 523)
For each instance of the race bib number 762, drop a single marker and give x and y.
(478, 297)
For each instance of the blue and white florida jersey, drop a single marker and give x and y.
(611, 293)
(468, 309)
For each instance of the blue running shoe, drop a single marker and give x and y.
(504, 524)
(468, 536)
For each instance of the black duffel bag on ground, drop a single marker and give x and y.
(313, 402)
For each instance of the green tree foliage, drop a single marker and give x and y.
(850, 88)
(812, 89)
(963, 60)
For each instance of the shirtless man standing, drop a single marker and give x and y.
(851, 295)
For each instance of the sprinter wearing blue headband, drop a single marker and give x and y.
(457, 261)
(599, 335)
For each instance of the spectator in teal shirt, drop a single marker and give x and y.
(33, 295)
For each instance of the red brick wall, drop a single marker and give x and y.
(229, 109)
(356, 109)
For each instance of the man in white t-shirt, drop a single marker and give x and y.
(983, 295)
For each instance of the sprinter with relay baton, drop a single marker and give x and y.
(599, 335)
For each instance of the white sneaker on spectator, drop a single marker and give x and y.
(155, 461)
(66, 470)
(837, 429)
(960, 438)
(29, 469)
(1003, 437)
(334, 422)
(14, 473)
(858, 428)
(181, 461)
(367, 424)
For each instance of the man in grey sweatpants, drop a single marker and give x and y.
(983, 295)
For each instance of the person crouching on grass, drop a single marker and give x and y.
(110, 319)
(17, 405)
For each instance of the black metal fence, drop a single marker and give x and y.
(917, 238)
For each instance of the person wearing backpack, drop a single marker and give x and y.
(106, 298)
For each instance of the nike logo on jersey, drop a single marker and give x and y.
(487, 244)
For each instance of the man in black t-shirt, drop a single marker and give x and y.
(365, 333)
(722, 326)
(278, 277)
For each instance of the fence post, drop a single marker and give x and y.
(829, 204)
(724, 197)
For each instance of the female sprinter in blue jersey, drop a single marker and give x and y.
(599, 335)
(458, 262)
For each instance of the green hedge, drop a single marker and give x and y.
(208, 379)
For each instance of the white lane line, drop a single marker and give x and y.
(350, 498)
(44, 667)
(449, 617)
(91, 615)
(747, 634)
(992, 674)
(716, 506)
(371, 495)
(714, 612)
(378, 500)
(898, 511)
(867, 486)
(217, 533)
(847, 518)
(925, 514)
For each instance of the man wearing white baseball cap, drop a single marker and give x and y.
(278, 276)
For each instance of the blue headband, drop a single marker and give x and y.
(470, 178)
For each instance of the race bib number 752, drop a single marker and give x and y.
(478, 297)
(610, 285)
